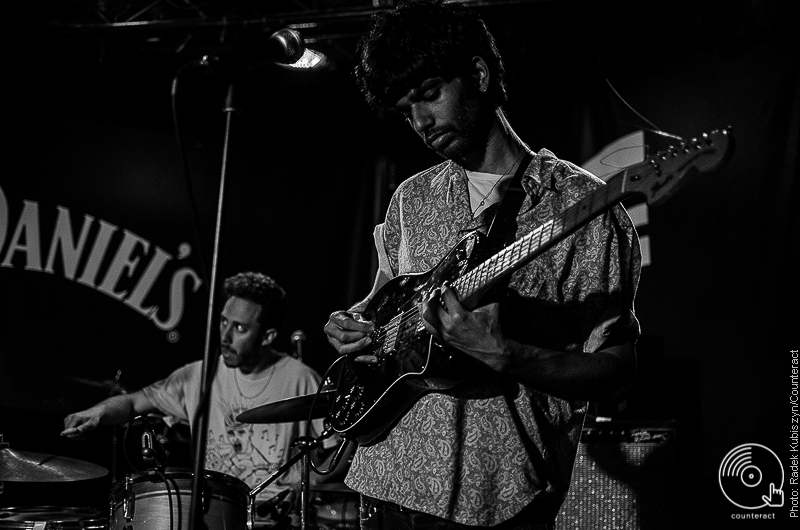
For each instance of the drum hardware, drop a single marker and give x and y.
(274, 507)
(335, 507)
(300, 408)
(128, 500)
(51, 518)
(305, 445)
(153, 450)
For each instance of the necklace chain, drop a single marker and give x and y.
(501, 177)
(483, 201)
(263, 388)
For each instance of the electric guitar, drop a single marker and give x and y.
(403, 362)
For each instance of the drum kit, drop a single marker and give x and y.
(159, 499)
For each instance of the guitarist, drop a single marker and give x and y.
(497, 450)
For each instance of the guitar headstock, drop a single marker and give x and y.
(661, 174)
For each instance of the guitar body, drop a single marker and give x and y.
(404, 361)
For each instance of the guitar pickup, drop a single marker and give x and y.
(367, 359)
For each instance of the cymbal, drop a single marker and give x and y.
(111, 385)
(23, 466)
(290, 409)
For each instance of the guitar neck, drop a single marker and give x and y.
(534, 243)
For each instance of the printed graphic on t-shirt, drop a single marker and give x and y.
(244, 450)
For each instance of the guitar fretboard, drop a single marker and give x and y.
(540, 239)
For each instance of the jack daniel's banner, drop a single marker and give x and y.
(100, 267)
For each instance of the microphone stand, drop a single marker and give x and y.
(292, 46)
(201, 417)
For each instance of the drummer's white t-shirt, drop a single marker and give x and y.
(251, 452)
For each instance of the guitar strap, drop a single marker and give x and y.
(504, 224)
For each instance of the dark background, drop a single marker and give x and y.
(88, 126)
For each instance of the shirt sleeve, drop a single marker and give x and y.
(384, 265)
(169, 394)
(390, 235)
(604, 276)
(578, 295)
(384, 269)
(599, 284)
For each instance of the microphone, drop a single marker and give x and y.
(285, 46)
(153, 452)
(297, 339)
(288, 44)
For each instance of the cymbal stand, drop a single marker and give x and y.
(116, 390)
(306, 444)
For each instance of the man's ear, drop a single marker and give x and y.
(269, 336)
(481, 73)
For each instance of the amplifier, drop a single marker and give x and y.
(624, 478)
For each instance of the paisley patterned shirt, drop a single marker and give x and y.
(481, 453)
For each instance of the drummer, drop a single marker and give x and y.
(252, 373)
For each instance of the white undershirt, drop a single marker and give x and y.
(479, 186)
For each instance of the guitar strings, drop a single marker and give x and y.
(508, 255)
(396, 324)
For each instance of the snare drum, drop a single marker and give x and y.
(51, 518)
(161, 501)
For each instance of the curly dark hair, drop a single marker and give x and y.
(420, 40)
(260, 289)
